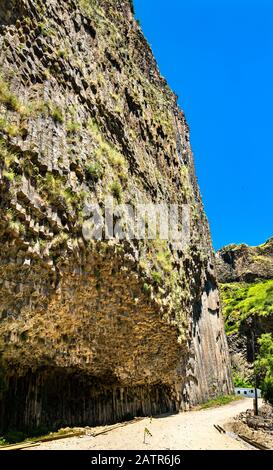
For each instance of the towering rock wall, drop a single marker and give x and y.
(96, 331)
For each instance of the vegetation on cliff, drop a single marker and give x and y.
(241, 300)
(85, 116)
(246, 277)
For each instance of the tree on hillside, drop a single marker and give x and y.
(264, 366)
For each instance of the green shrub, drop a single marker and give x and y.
(241, 382)
(146, 288)
(91, 8)
(107, 151)
(9, 99)
(12, 130)
(56, 114)
(157, 277)
(7, 156)
(116, 190)
(45, 29)
(94, 171)
(63, 53)
(10, 175)
(93, 127)
(53, 184)
(17, 227)
(113, 156)
(163, 255)
(73, 127)
(267, 389)
(3, 124)
(54, 188)
(264, 366)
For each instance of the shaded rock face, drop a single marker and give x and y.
(240, 344)
(242, 263)
(100, 331)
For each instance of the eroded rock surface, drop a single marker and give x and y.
(95, 332)
(243, 263)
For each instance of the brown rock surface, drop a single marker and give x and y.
(243, 263)
(94, 332)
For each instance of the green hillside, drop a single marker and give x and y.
(241, 300)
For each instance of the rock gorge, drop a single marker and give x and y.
(101, 331)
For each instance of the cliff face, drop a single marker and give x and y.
(246, 276)
(242, 263)
(99, 331)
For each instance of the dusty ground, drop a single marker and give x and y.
(193, 430)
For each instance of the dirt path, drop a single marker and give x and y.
(193, 430)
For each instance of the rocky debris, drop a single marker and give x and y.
(100, 331)
(263, 421)
(258, 429)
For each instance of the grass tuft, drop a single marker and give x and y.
(116, 190)
(219, 401)
(94, 172)
(56, 114)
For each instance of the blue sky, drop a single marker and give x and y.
(217, 55)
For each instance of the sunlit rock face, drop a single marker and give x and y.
(245, 274)
(243, 263)
(96, 331)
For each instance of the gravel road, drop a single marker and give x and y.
(192, 430)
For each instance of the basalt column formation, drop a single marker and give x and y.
(96, 331)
